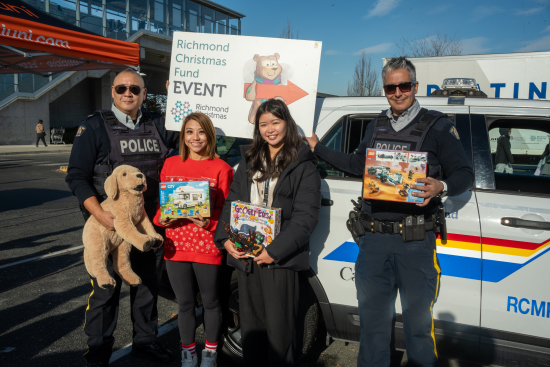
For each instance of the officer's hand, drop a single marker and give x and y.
(430, 189)
(231, 250)
(263, 258)
(312, 142)
(107, 219)
(200, 221)
(167, 84)
(168, 222)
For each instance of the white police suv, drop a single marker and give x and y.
(494, 301)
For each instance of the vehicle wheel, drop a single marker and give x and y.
(309, 312)
(200, 203)
(184, 206)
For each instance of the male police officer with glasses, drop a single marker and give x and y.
(122, 135)
(396, 240)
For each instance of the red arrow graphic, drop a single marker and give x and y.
(290, 92)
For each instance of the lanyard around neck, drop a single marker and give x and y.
(266, 192)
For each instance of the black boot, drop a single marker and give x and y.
(154, 351)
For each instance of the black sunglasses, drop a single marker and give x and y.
(121, 89)
(403, 87)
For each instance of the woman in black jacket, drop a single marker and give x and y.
(280, 163)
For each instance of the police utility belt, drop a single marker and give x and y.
(411, 227)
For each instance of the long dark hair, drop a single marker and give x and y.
(258, 153)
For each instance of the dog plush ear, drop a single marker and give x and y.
(111, 186)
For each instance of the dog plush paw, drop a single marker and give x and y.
(132, 280)
(106, 282)
(158, 241)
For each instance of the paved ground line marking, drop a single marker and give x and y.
(42, 257)
(162, 330)
(52, 164)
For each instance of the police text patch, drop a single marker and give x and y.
(80, 131)
(392, 145)
(454, 133)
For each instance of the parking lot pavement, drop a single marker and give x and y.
(44, 286)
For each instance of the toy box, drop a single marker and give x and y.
(184, 199)
(264, 223)
(389, 175)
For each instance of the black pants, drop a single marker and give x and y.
(268, 308)
(41, 136)
(102, 310)
(182, 275)
(385, 264)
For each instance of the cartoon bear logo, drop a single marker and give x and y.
(268, 71)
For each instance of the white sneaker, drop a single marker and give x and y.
(209, 358)
(187, 360)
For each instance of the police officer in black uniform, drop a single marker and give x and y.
(396, 240)
(122, 135)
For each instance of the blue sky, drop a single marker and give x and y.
(348, 26)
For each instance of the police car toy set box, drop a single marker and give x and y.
(181, 198)
(253, 227)
(389, 175)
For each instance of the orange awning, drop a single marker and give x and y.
(32, 41)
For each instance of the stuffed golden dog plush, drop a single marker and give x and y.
(124, 188)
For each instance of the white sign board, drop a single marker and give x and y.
(228, 77)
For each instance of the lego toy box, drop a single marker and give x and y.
(253, 225)
(184, 199)
(389, 175)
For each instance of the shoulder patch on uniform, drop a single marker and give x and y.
(81, 130)
(454, 132)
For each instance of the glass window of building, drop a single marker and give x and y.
(176, 14)
(233, 25)
(64, 9)
(208, 19)
(91, 16)
(116, 19)
(193, 16)
(221, 22)
(158, 15)
(39, 4)
(138, 14)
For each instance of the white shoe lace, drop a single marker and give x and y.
(208, 358)
(187, 360)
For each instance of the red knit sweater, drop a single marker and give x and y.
(184, 240)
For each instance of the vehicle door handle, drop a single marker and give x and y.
(522, 223)
(326, 202)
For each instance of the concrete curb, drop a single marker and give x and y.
(30, 149)
(41, 152)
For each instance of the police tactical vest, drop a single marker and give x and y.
(408, 139)
(141, 148)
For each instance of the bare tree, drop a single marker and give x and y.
(365, 79)
(438, 45)
(288, 31)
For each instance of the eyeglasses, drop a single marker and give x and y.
(121, 89)
(403, 87)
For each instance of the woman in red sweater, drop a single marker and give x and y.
(189, 246)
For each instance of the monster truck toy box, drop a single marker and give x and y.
(184, 199)
(264, 220)
(389, 175)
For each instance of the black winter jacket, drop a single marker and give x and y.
(298, 194)
(504, 147)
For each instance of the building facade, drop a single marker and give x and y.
(62, 100)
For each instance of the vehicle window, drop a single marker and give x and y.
(519, 154)
(229, 148)
(332, 140)
(356, 132)
(356, 127)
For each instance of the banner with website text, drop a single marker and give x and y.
(228, 77)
